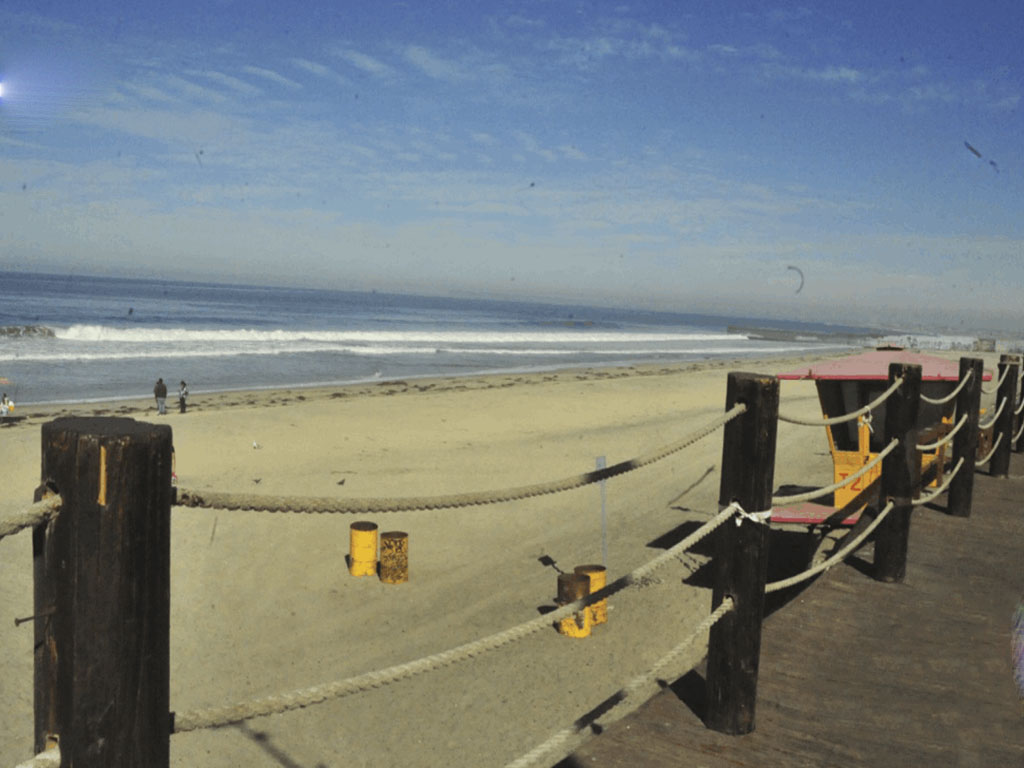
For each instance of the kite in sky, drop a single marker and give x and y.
(799, 272)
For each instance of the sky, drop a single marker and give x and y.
(676, 156)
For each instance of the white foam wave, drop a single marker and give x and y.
(100, 333)
(154, 353)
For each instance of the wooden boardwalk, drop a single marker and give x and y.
(855, 672)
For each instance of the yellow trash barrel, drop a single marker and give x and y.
(573, 586)
(362, 541)
(394, 557)
(598, 576)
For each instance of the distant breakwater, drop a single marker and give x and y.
(37, 331)
(779, 334)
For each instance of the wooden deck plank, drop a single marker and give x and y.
(855, 672)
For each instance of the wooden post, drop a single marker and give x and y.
(999, 466)
(900, 473)
(741, 560)
(965, 442)
(102, 570)
(1018, 445)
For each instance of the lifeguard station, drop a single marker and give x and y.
(848, 384)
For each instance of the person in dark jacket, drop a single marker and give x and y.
(160, 393)
(182, 395)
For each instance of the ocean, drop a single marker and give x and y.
(72, 338)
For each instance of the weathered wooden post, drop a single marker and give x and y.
(1018, 445)
(741, 560)
(899, 470)
(999, 465)
(965, 442)
(102, 570)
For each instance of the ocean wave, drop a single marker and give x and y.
(101, 333)
(625, 353)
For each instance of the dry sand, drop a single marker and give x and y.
(262, 603)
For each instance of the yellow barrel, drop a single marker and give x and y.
(573, 586)
(598, 576)
(362, 541)
(394, 557)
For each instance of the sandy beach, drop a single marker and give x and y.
(262, 603)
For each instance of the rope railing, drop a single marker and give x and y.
(999, 383)
(275, 704)
(951, 395)
(30, 517)
(775, 586)
(941, 489)
(995, 416)
(982, 462)
(49, 758)
(847, 417)
(315, 504)
(818, 493)
(560, 740)
(945, 440)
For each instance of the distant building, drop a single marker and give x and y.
(985, 345)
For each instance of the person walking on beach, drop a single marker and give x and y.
(4, 407)
(182, 394)
(160, 393)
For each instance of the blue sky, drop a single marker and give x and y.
(671, 155)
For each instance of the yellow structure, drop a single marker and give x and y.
(598, 576)
(847, 463)
(846, 385)
(573, 586)
(394, 557)
(362, 539)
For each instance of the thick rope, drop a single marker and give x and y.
(775, 586)
(217, 500)
(304, 697)
(951, 395)
(564, 737)
(1019, 432)
(995, 416)
(982, 462)
(49, 758)
(778, 501)
(999, 383)
(945, 440)
(1020, 408)
(848, 417)
(30, 517)
(941, 489)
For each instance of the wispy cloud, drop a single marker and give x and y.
(320, 70)
(532, 145)
(434, 66)
(621, 39)
(271, 76)
(1006, 104)
(148, 92)
(235, 84)
(828, 74)
(192, 90)
(365, 63)
(762, 51)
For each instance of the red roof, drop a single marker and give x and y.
(874, 365)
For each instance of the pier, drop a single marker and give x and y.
(857, 672)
